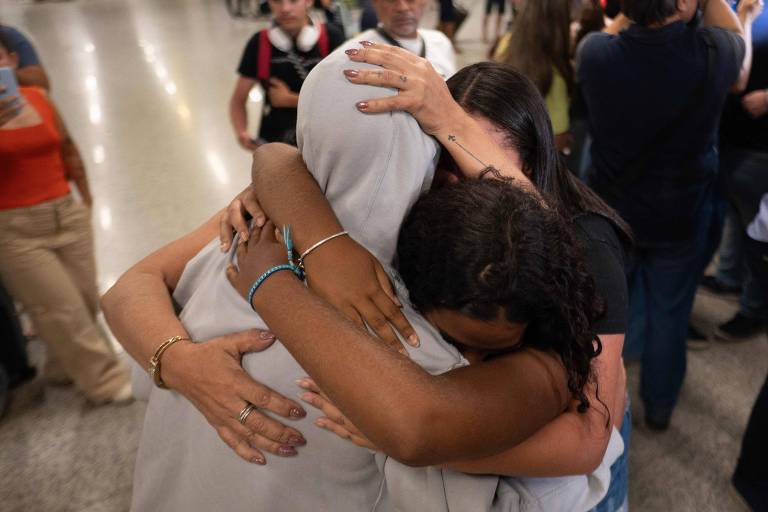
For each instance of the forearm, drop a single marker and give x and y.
(475, 152)
(289, 194)
(75, 169)
(746, 65)
(572, 444)
(394, 402)
(238, 115)
(33, 75)
(717, 13)
(140, 313)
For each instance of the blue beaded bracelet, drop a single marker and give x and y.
(263, 277)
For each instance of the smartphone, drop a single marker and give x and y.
(8, 84)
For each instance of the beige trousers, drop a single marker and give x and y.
(47, 264)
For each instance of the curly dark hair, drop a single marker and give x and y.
(483, 245)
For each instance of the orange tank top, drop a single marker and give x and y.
(31, 165)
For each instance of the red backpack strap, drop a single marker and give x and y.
(265, 56)
(322, 41)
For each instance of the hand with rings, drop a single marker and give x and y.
(421, 90)
(210, 376)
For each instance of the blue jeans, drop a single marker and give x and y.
(617, 500)
(662, 282)
(748, 181)
(730, 265)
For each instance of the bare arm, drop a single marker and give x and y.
(748, 10)
(574, 443)
(141, 314)
(618, 24)
(72, 161)
(717, 13)
(237, 113)
(33, 75)
(481, 409)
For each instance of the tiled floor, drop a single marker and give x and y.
(143, 86)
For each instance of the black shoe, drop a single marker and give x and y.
(714, 285)
(657, 422)
(740, 328)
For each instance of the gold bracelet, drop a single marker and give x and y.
(154, 363)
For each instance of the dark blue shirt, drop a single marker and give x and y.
(636, 85)
(738, 128)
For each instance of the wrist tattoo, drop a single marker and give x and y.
(487, 168)
(452, 138)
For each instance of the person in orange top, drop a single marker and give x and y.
(46, 244)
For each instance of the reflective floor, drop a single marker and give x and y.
(143, 86)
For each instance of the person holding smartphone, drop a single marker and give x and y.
(46, 242)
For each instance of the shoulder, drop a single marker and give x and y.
(591, 227)
(440, 51)
(604, 259)
(593, 47)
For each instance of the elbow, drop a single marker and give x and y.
(109, 300)
(595, 452)
(414, 443)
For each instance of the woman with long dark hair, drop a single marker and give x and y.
(539, 46)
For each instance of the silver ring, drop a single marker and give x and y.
(403, 78)
(245, 412)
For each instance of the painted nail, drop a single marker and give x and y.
(266, 335)
(259, 461)
(320, 422)
(351, 73)
(302, 383)
(295, 412)
(413, 339)
(307, 397)
(362, 105)
(352, 51)
(287, 451)
(297, 441)
(366, 43)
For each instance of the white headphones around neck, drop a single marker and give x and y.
(306, 40)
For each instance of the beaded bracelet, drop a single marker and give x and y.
(263, 277)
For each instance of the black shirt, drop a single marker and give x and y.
(738, 128)
(604, 258)
(279, 124)
(637, 84)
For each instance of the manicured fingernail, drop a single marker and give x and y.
(352, 51)
(259, 461)
(307, 397)
(287, 451)
(413, 340)
(244, 236)
(296, 412)
(362, 105)
(297, 441)
(260, 221)
(320, 422)
(351, 73)
(223, 246)
(266, 335)
(366, 43)
(302, 383)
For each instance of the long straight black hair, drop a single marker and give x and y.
(512, 103)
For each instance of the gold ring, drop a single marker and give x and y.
(245, 412)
